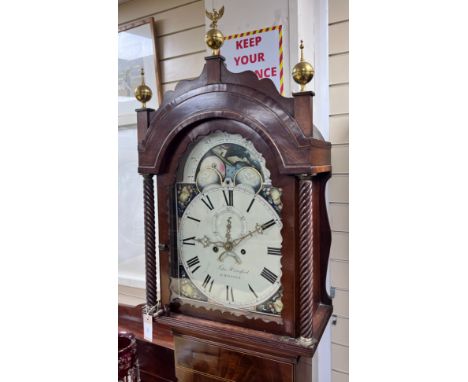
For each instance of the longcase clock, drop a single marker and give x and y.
(243, 231)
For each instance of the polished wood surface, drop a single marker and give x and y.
(268, 343)
(202, 359)
(303, 112)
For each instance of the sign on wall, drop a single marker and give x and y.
(260, 51)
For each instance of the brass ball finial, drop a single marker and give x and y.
(214, 38)
(143, 93)
(303, 72)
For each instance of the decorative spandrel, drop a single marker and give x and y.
(229, 230)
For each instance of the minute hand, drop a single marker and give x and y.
(258, 229)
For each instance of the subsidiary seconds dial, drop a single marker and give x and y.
(229, 243)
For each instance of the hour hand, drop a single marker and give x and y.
(206, 242)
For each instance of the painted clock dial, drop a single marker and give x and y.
(229, 227)
(230, 246)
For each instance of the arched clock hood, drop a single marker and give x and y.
(296, 145)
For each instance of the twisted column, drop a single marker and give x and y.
(150, 240)
(305, 258)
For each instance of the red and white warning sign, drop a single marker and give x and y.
(260, 51)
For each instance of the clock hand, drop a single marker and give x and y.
(258, 228)
(236, 257)
(228, 230)
(223, 255)
(205, 241)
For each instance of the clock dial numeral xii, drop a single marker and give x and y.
(229, 197)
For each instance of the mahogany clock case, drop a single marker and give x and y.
(282, 132)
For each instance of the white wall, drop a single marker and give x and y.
(338, 185)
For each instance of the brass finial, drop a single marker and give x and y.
(143, 93)
(303, 72)
(214, 38)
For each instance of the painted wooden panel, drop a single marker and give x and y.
(339, 274)
(181, 43)
(178, 19)
(182, 67)
(341, 303)
(140, 8)
(339, 377)
(340, 246)
(340, 358)
(339, 69)
(339, 217)
(339, 128)
(340, 331)
(338, 189)
(340, 159)
(338, 38)
(338, 10)
(339, 99)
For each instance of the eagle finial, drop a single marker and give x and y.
(215, 16)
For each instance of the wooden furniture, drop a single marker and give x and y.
(266, 323)
(156, 358)
(128, 361)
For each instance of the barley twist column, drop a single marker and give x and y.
(150, 240)
(305, 258)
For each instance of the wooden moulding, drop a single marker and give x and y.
(253, 340)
